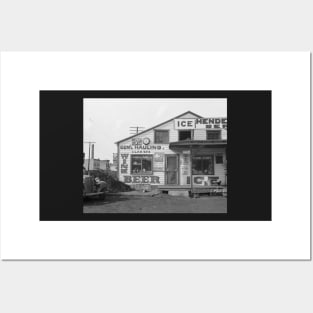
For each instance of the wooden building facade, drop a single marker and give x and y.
(187, 151)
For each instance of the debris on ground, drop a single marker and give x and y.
(113, 184)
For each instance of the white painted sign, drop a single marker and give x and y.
(200, 123)
(184, 123)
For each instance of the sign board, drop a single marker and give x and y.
(184, 123)
(141, 149)
(140, 141)
(158, 162)
(200, 123)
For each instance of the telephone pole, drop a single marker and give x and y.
(89, 142)
(135, 130)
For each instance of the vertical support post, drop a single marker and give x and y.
(89, 158)
(191, 185)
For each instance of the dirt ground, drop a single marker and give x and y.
(156, 204)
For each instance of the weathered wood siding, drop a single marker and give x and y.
(126, 149)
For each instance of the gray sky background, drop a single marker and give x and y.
(109, 120)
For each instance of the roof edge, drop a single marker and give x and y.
(117, 142)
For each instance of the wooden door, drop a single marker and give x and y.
(171, 170)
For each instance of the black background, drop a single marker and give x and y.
(248, 155)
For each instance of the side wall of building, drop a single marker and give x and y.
(158, 151)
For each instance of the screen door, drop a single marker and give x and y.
(171, 171)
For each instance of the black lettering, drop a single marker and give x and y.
(155, 179)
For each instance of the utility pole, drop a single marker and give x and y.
(89, 142)
(135, 129)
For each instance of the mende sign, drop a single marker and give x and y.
(200, 123)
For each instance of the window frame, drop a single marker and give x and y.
(202, 157)
(219, 155)
(141, 155)
(162, 130)
(186, 130)
(214, 131)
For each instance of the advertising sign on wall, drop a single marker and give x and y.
(200, 123)
(158, 162)
(201, 180)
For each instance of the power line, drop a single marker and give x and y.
(89, 142)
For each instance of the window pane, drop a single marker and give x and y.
(161, 136)
(219, 159)
(171, 178)
(202, 165)
(185, 135)
(172, 163)
(141, 164)
(196, 166)
(207, 165)
(136, 164)
(213, 134)
(146, 164)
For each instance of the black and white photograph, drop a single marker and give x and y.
(154, 155)
(159, 161)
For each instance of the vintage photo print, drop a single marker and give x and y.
(155, 155)
(151, 160)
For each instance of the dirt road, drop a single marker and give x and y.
(157, 204)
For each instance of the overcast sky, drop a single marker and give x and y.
(109, 120)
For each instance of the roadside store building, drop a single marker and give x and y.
(185, 152)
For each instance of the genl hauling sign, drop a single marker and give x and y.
(200, 123)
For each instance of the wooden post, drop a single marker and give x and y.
(89, 158)
(190, 169)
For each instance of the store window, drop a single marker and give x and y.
(141, 164)
(203, 165)
(184, 135)
(213, 134)
(161, 136)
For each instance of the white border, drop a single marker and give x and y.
(24, 74)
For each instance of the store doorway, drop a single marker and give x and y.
(171, 170)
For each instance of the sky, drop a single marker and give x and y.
(109, 120)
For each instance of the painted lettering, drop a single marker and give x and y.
(127, 179)
(198, 180)
(145, 179)
(137, 179)
(155, 179)
(124, 165)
